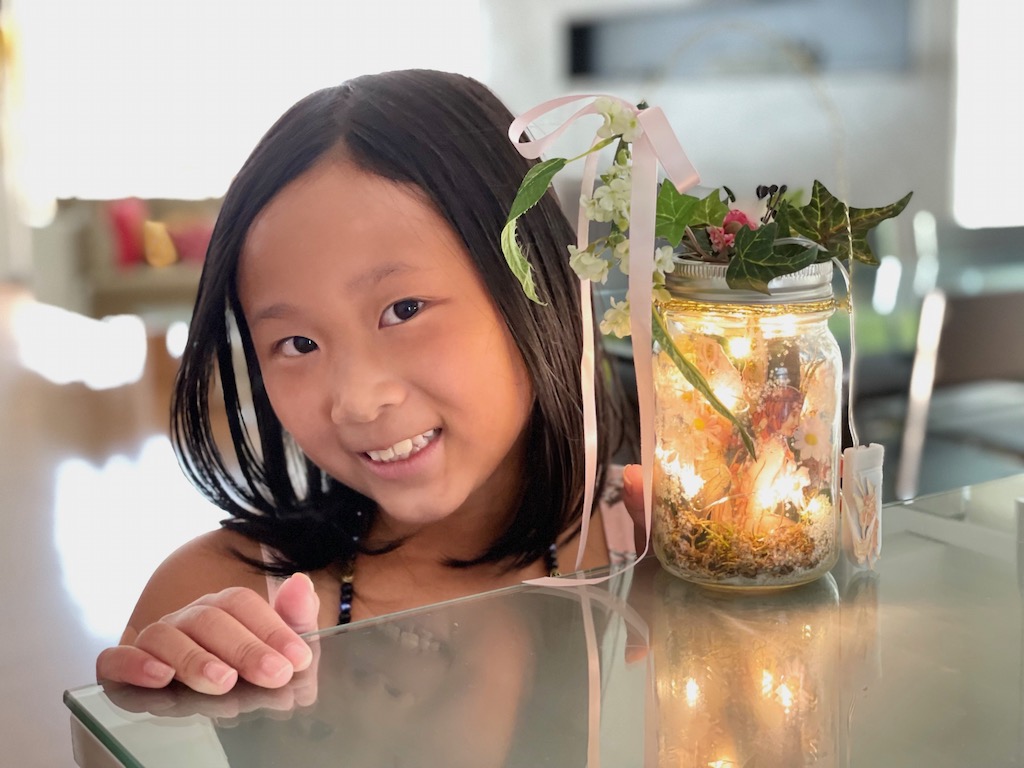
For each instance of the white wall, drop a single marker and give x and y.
(870, 137)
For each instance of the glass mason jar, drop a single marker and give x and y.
(725, 515)
(748, 678)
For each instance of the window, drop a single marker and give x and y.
(988, 163)
(156, 99)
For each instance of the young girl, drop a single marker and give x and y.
(413, 432)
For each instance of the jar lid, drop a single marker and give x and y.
(703, 281)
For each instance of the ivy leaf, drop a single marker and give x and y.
(673, 213)
(840, 229)
(535, 184)
(756, 261)
(709, 210)
(863, 220)
(693, 375)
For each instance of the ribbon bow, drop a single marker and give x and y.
(656, 143)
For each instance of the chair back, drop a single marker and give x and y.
(960, 339)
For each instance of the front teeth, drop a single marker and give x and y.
(403, 449)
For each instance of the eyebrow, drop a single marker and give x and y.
(362, 282)
(377, 275)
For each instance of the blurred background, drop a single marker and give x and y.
(122, 123)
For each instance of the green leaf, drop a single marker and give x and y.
(710, 210)
(840, 229)
(673, 213)
(693, 375)
(517, 262)
(756, 261)
(535, 184)
(863, 220)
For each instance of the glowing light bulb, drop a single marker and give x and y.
(684, 474)
(739, 346)
(692, 692)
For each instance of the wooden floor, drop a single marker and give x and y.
(91, 501)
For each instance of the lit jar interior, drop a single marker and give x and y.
(723, 515)
(747, 679)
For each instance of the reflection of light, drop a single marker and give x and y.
(767, 682)
(785, 696)
(724, 763)
(176, 339)
(114, 524)
(692, 692)
(780, 327)
(66, 347)
(739, 346)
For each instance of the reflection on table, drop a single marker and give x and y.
(916, 664)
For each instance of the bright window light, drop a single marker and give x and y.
(989, 154)
(65, 347)
(165, 100)
(887, 285)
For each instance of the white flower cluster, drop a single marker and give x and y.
(618, 120)
(610, 203)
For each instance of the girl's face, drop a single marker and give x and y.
(382, 353)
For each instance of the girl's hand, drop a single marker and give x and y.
(633, 498)
(211, 642)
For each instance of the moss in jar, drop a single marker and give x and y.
(719, 550)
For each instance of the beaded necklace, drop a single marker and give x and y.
(348, 579)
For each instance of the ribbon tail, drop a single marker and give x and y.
(587, 387)
(640, 292)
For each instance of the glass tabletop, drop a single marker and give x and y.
(917, 663)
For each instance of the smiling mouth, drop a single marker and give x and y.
(403, 449)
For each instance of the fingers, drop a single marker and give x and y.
(633, 498)
(219, 638)
(215, 641)
(239, 701)
(128, 664)
(298, 604)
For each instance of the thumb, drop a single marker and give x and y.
(633, 498)
(298, 604)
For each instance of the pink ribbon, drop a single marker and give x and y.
(656, 143)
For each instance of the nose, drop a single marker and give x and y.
(363, 386)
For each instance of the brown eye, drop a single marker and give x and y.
(298, 345)
(401, 311)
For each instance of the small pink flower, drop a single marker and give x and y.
(720, 240)
(736, 219)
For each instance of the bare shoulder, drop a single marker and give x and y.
(204, 565)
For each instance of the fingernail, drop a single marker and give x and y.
(627, 480)
(274, 666)
(217, 672)
(305, 577)
(299, 654)
(157, 670)
(635, 653)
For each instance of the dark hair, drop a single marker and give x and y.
(447, 135)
